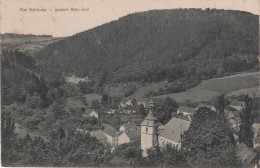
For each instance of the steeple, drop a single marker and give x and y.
(151, 107)
(150, 116)
(149, 130)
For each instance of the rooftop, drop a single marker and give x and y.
(98, 134)
(88, 111)
(245, 154)
(109, 130)
(174, 128)
(186, 109)
(129, 125)
(204, 105)
(237, 103)
(134, 134)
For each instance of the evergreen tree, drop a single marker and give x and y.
(246, 133)
(209, 141)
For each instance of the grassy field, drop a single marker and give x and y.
(244, 83)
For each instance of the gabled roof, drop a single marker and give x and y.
(129, 125)
(184, 117)
(88, 111)
(109, 130)
(174, 128)
(186, 109)
(134, 134)
(98, 134)
(205, 105)
(245, 154)
(237, 103)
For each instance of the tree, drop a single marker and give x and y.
(8, 138)
(141, 110)
(104, 99)
(246, 133)
(164, 108)
(221, 104)
(209, 141)
(95, 104)
(58, 109)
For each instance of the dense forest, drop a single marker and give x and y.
(178, 45)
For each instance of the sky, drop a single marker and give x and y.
(15, 19)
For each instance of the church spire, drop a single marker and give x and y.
(151, 107)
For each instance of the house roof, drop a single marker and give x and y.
(129, 125)
(237, 103)
(134, 134)
(130, 100)
(88, 111)
(174, 128)
(183, 117)
(186, 109)
(98, 134)
(109, 130)
(205, 105)
(245, 154)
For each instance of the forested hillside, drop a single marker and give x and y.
(21, 76)
(181, 44)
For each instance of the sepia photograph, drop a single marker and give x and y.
(120, 83)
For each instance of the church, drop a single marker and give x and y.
(154, 134)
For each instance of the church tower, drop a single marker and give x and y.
(149, 131)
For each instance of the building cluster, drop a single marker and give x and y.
(154, 134)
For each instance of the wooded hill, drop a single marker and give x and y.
(177, 45)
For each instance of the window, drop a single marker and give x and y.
(146, 129)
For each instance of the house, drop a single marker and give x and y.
(207, 106)
(184, 117)
(141, 103)
(111, 134)
(238, 105)
(129, 136)
(256, 142)
(185, 110)
(127, 103)
(256, 129)
(90, 113)
(246, 154)
(233, 118)
(235, 122)
(172, 132)
(127, 126)
(101, 137)
(110, 111)
(75, 80)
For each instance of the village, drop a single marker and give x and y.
(151, 133)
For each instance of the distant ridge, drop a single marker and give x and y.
(177, 44)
